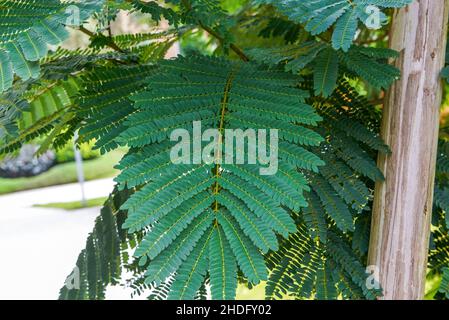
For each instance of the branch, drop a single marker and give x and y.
(216, 35)
(377, 102)
(110, 44)
(233, 47)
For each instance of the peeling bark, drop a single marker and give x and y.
(403, 203)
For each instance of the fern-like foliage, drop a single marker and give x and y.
(195, 211)
(12, 105)
(445, 71)
(55, 106)
(157, 11)
(303, 268)
(439, 245)
(44, 108)
(278, 27)
(345, 15)
(106, 93)
(327, 65)
(325, 259)
(306, 264)
(106, 255)
(50, 103)
(142, 47)
(444, 287)
(29, 26)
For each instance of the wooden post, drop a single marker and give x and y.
(403, 203)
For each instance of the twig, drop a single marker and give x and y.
(110, 44)
(233, 47)
(376, 102)
(216, 35)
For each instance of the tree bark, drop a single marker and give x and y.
(403, 202)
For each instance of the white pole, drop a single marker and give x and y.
(79, 169)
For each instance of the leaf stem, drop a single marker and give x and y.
(110, 44)
(216, 35)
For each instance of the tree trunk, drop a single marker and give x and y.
(403, 203)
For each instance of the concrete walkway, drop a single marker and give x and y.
(39, 246)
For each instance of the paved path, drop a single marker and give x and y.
(39, 246)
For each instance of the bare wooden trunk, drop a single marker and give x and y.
(403, 203)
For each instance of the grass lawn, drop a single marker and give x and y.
(97, 202)
(102, 167)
